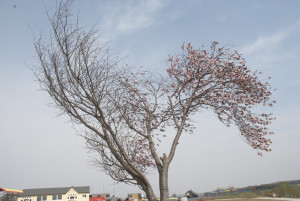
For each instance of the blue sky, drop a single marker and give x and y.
(39, 149)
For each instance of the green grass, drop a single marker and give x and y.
(242, 195)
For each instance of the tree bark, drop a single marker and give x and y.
(163, 183)
(150, 194)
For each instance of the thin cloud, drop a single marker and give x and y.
(264, 42)
(132, 16)
(267, 50)
(268, 42)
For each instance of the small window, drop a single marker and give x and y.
(39, 198)
(84, 196)
(54, 197)
(44, 197)
(59, 197)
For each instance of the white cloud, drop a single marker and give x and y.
(267, 50)
(264, 42)
(132, 15)
(267, 42)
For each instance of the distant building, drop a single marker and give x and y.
(9, 194)
(191, 194)
(56, 194)
(135, 196)
(100, 196)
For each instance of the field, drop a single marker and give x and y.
(259, 199)
(242, 195)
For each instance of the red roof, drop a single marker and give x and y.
(97, 198)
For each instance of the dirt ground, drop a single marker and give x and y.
(260, 199)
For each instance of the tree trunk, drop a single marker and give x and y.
(163, 183)
(150, 195)
(145, 185)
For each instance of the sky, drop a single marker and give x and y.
(40, 149)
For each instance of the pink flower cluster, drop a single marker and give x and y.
(219, 79)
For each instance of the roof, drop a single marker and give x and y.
(54, 191)
(97, 198)
(191, 193)
(11, 190)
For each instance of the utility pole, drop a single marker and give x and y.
(114, 196)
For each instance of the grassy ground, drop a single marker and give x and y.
(251, 199)
(242, 195)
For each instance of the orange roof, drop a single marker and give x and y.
(97, 198)
(11, 190)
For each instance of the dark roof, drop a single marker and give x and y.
(191, 194)
(54, 191)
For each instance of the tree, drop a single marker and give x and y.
(8, 196)
(125, 113)
(286, 190)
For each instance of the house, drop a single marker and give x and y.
(9, 194)
(191, 194)
(100, 196)
(135, 196)
(56, 194)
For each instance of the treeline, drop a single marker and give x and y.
(287, 190)
(290, 189)
(264, 187)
